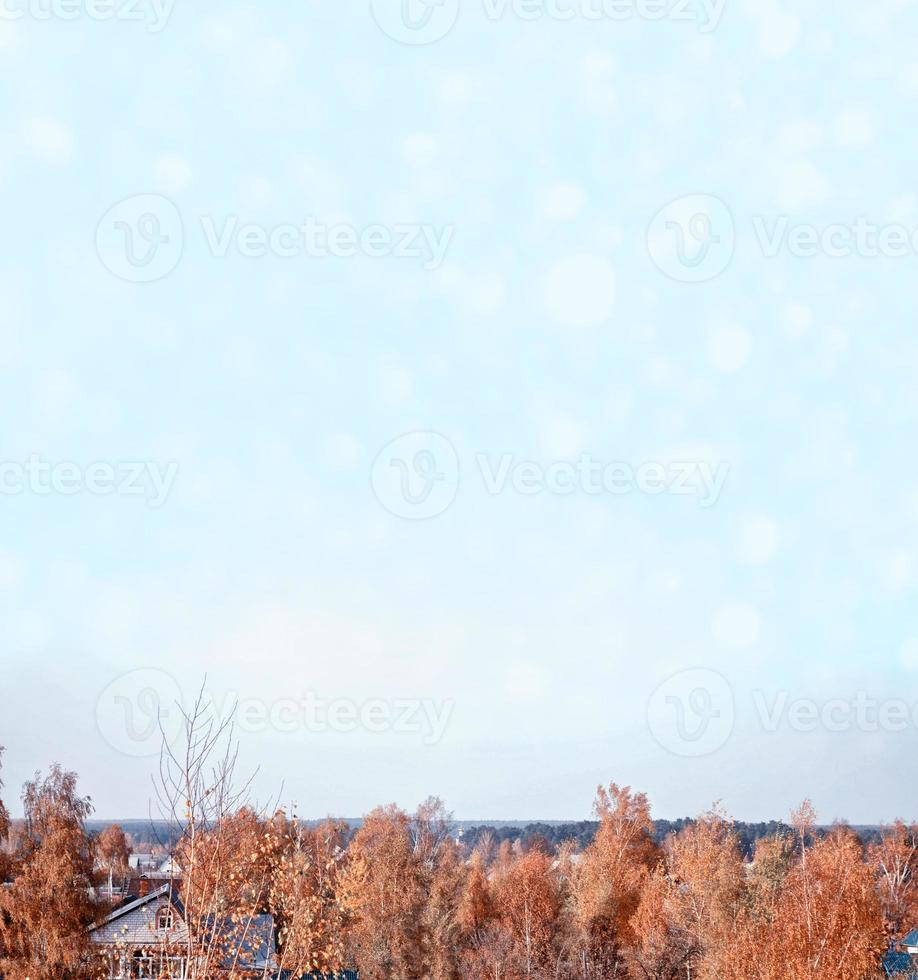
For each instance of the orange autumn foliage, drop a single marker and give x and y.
(404, 899)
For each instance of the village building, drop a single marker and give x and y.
(147, 938)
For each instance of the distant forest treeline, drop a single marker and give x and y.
(583, 832)
(149, 833)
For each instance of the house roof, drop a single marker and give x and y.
(899, 965)
(249, 941)
(246, 942)
(137, 903)
(911, 939)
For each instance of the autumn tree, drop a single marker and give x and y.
(225, 848)
(4, 813)
(894, 860)
(441, 874)
(477, 919)
(529, 906)
(112, 852)
(303, 896)
(825, 919)
(662, 948)
(404, 900)
(382, 891)
(771, 864)
(829, 913)
(606, 887)
(706, 865)
(5, 862)
(442, 928)
(45, 913)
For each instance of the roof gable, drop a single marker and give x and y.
(136, 923)
(139, 903)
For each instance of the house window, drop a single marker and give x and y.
(153, 966)
(164, 918)
(141, 966)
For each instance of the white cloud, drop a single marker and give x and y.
(737, 626)
(50, 140)
(478, 294)
(729, 347)
(908, 80)
(396, 383)
(420, 150)
(525, 682)
(264, 63)
(12, 43)
(778, 30)
(12, 317)
(172, 173)
(580, 291)
(343, 452)
(897, 569)
(757, 540)
(902, 208)
(29, 632)
(336, 655)
(853, 128)
(322, 187)
(255, 191)
(56, 392)
(801, 185)
(796, 320)
(561, 201)
(562, 437)
(12, 572)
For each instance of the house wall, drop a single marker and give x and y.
(138, 928)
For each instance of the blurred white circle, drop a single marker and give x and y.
(692, 713)
(737, 625)
(758, 539)
(729, 347)
(417, 475)
(580, 290)
(172, 172)
(140, 710)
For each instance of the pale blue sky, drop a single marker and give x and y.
(543, 622)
